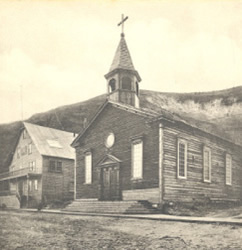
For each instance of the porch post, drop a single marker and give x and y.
(27, 191)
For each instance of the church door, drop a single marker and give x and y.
(110, 185)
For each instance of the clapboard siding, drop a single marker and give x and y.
(124, 125)
(57, 186)
(194, 188)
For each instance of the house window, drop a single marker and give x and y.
(182, 159)
(32, 166)
(35, 184)
(52, 166)
(207, 164)
(18, 153)
(30, 148)
(137, 159)
(88, 168)
(228, 169)
(55, 166)
(59, 166)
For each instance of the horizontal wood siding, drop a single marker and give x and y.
(24, 159)
(124, 125)
(58, 186)
(149, 194)
(194, 188)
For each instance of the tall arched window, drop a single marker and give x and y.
(126, 83)
(112, 85)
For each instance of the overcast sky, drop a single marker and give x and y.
(59, 51)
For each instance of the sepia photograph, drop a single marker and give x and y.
(120, 124)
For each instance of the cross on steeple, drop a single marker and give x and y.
(122, 23)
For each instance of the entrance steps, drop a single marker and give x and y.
(111, 207)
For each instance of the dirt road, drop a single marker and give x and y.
(50, 231)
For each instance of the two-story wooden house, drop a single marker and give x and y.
(41, 168)
(131, 153)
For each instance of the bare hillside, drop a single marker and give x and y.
(219, 112)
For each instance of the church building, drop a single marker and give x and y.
(130, 153)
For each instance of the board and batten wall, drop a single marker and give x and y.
(193, 188)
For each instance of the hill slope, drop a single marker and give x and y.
(205, 109)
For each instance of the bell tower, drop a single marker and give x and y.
(122, 78)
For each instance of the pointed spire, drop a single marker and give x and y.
(122, 58)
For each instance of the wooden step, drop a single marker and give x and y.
(118, 207)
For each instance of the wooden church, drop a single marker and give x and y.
(128, 153)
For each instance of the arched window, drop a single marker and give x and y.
(112, 85)
(126, 83)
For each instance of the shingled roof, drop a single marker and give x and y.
(51, 142)
(122, 58)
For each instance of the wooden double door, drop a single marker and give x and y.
(110, 183)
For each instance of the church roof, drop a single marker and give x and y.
(122, 58)
(51, 142)
(143, 112)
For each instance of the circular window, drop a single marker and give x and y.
(110, 140)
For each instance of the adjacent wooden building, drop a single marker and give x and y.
(42, 167)
(131, 153)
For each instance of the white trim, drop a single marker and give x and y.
(89, 181)
(206, 149)
(135, 142)
(181, 141)
(161, 152)
(35, 184)
(228, 157)
(75, 165)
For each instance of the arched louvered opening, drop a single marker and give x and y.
(126, 83)
(112, 85)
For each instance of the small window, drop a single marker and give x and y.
(18, 153)
(112, 85)
(32, 166)
(30, 148)
(24, 134)
(35, 184)
(137, 159)
(228, 169)
(59, 166)
(88, 168)
(126, 83)
(206, 164)
(52, 166)
(182, 159)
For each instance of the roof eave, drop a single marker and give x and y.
(117, 70)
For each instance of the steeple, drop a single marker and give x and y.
(122, 78)
(122, 58)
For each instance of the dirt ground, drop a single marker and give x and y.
(52, 231)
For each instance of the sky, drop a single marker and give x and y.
(55, 53)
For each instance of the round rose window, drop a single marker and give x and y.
(110, 140)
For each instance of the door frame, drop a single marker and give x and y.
(113, 164)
